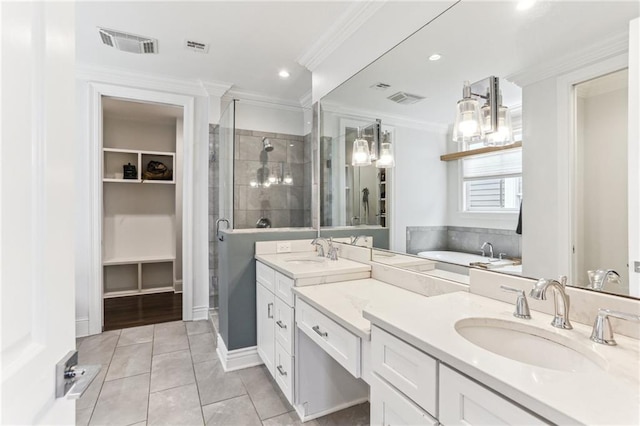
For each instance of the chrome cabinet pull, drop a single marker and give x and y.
(281, 324)
(269, 313)
(316, 328)
(281, 371)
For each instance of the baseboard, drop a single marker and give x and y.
(305, 418)
(200, 313)
(82, 327)
(237, 359)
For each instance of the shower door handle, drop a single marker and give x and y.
(221, 237)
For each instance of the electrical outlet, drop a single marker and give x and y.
(283, 247)
(636, 266)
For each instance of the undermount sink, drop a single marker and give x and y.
(530, 345)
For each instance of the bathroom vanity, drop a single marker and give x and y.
(334, 334)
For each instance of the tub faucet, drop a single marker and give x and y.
(354, 240)
(560, 307)
(485, 244)
(318, 243)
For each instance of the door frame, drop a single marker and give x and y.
(566, 154)
(96, 92)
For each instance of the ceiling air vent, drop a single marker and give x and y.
(128, 42)
(196, 46)
(405, 98)
(380, 86)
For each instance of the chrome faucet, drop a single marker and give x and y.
(485, 244)
(318, 243)
(602, 331)
(354, 240)
(598, 278)
(560, 308)
(333, 250)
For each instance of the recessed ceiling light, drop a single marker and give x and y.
(525, 4)
(284, 74)
(435, 57)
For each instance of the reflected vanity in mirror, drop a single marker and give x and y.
(551, 204)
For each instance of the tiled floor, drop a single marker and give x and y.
(169, 374)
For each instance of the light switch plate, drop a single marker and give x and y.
(636, 266)
(283, 247)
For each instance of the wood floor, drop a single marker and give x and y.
(132, 311)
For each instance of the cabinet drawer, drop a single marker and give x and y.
(341, 344)
(283, 316)
(390, 407)
(283, 286)
(410, 370)
(284, 372)
(265, 276)
(465, 402)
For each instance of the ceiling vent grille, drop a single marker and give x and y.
(405, 98)
(128, 42)
(196, 46)
(380, 86)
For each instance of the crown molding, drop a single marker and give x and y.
(258, 99)
(344, 27)
(305, 100)
(387, 119)
(139, 80)
(216, 88)
(609, 47)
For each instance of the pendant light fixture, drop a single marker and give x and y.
(467, 127)
(360, 155)
(386, 159)
(503, 135)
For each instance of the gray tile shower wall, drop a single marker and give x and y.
(463, 239)
(284, 205)
(214, 191)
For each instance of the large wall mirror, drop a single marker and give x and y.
(553, 202)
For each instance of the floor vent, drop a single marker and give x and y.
(128, 42)
(405, 98)
(196, 46)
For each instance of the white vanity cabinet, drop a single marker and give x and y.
(410, 387)
(275, 328)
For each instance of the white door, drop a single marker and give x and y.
(266, 334)
(634, 156)
(37, 209)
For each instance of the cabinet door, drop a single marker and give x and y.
(465, 402)
(390, 407)
(265, 326)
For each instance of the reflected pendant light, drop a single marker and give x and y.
(503, 135)
(467, 127)
(360, 155)
(386, 159)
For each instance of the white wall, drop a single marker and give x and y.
(419, 182)
(270, 118)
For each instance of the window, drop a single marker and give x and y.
(492, 182)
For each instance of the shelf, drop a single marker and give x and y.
(110, 180)
(154, 182)
(472, 152)
(113, 294)
(132, 260)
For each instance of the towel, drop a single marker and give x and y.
(519, 227)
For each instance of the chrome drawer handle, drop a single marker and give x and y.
(281, 371)
(269, 314)
(281, 324)
(316, 328)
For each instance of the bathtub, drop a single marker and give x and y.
(464, 259)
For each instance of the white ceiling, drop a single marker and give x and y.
(477, 39)
(250, 41)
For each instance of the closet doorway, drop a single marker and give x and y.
(141, 220)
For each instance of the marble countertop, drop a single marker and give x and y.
(285, 263)
(610, 396)
(344, 301)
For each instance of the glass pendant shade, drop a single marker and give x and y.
(386, 159)
(467, 126)
(504, 134)
(360, 156)
(288, 179)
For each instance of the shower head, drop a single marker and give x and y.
(266, 145)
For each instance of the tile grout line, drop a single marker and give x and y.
(250, 398)
(153, 340)
(195, 378)
(95, 404)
